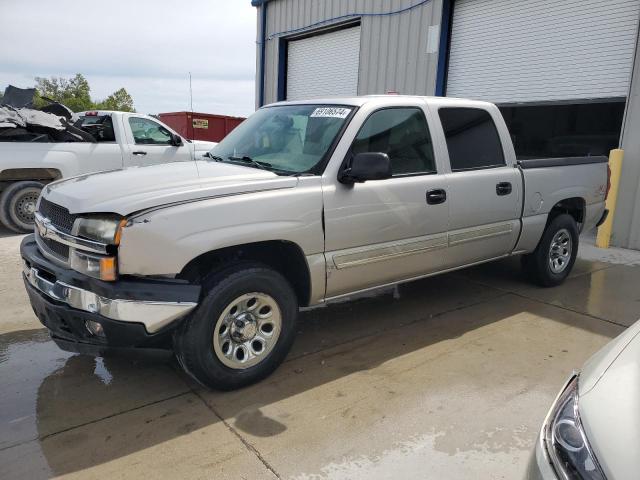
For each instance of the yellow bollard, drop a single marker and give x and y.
(604, 230)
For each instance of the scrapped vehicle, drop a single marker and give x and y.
(303, 203)
(39, 147)
(592, 431)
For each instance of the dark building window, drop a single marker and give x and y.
(472, 139)
(564, 130)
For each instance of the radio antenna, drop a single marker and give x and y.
(191, 105)
(190, 93)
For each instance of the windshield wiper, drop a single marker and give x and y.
(247, 159)
(214, 157)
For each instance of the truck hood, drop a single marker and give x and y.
(609, 404)
(139, 188)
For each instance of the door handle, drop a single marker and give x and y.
(140, 152)
(434, 197)
(503, 188)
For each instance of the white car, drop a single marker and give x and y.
(592, 431)
(123, 140)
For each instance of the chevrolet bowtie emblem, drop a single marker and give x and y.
(43, 227)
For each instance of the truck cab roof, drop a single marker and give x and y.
(390, 100)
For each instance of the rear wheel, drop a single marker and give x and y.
(552, 260)
(242, 329)
(18, 205)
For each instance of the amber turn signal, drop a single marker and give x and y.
(108, 269)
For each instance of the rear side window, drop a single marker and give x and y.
(401, 133)
(472, 139)
(100, 126)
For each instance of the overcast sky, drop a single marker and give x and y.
(145, 46)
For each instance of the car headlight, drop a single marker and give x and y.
(566, 441)
(102, 228)
(96, 266)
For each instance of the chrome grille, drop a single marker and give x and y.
(59, 249)
(59, 216)
(52, 249)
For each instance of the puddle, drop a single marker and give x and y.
(46, 390)
(27, 358)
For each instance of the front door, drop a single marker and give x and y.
(151, 144)
(383, 231)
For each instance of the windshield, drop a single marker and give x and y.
(287, 138)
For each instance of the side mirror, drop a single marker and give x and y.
(176, 140)
(366, 166)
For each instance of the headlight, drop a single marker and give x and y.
(565, 439)
(96, 266)
(99, 228)
(103, 228)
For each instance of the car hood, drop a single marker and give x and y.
(139, 188)
(609, 404)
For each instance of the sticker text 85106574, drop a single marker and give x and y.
(335, 112)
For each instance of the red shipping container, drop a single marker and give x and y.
(200, 126)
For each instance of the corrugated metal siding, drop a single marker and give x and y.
(626, 223)
(509, 51)
(393, 49)
(324, 65)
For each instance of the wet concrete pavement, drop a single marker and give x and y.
(447, 377)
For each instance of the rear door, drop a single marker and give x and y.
(484, 191)
(149, 143)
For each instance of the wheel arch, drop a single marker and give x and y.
(284, 256)
(574, 206)
(36, 174)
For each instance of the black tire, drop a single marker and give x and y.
(17, 205)
(194, 339)
(538, 265)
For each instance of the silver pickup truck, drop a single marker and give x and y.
(303, 203)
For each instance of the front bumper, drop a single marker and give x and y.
(133, 313)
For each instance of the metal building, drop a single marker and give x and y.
(559, 70)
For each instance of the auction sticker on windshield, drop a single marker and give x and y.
(334, 112)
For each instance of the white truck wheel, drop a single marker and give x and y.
(18, 205)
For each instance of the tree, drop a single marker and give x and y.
(118, 100)
(75, 93)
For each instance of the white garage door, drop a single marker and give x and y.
(509, 51)
(325, 65)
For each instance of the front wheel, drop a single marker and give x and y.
(242, 329)
(18, 205)
(552, 260)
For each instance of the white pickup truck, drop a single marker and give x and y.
(123, 140)
(303, 203)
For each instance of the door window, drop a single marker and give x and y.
(401, 133)
(148, 132)
(472, 139)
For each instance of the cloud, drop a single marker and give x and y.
(146, 46)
